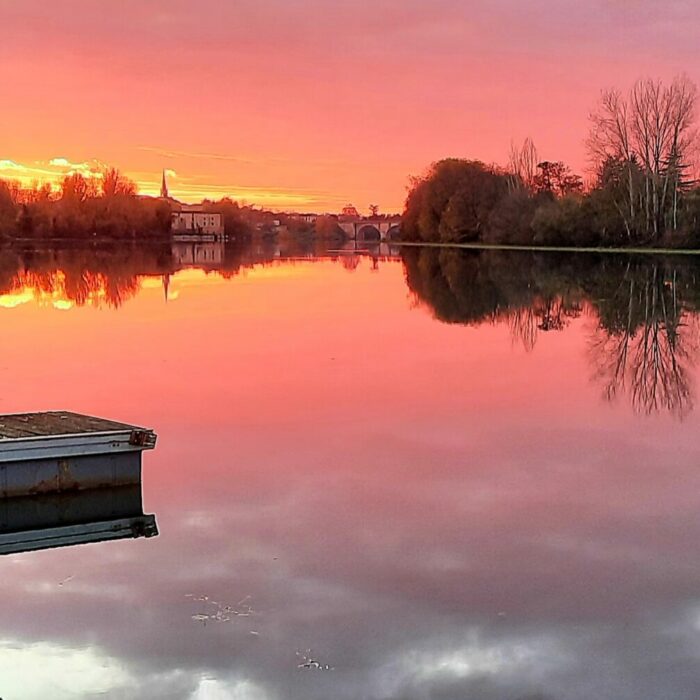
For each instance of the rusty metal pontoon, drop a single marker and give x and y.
(67, 479)
(36, 435)
(59, 451)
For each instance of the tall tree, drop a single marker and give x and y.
(652, 130)
(556, 178)
(114, 184)
(522, 165)
(76, 188)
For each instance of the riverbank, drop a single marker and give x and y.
(551, 249)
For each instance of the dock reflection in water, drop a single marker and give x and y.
(61, 519)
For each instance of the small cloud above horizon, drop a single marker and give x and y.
(50, 171)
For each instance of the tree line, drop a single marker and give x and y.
(642, 189)
(105, 204)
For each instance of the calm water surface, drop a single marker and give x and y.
(446, 476)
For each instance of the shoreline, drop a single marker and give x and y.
(159, 240)
(551, 249)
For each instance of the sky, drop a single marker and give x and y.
(312, 105)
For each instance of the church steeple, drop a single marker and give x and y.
(164, 188)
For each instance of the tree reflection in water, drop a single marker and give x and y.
(107, 274)
(644, 339)
(99, 275)
(550, 314)
(650, 354)
(644, 331)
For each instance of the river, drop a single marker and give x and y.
(438, 475)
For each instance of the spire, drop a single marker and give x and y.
(164, 188)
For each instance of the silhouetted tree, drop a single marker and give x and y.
(115, 184)
(556, 179)
(326, 227)
(453, 201)
(651, 132)
(522, 166)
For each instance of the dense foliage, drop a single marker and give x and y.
(641, 193)
(105, 206)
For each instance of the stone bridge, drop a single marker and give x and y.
(372, 229)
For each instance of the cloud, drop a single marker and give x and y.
(65, 672)
(170, 153)
(66, 166)
(50, 171)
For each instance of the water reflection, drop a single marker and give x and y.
(29, 523)
(425, 508)
(643, 334)
(109, 274)
(650, 342)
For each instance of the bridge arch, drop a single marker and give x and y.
(368, 232)
(394, 232)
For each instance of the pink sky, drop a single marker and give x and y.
(310, 105)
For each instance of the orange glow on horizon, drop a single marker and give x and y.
(53, 171)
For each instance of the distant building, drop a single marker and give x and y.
(350, 212)
(194, 220)
(306, 218)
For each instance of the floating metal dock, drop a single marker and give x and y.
(59, 451)
(68, 479)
